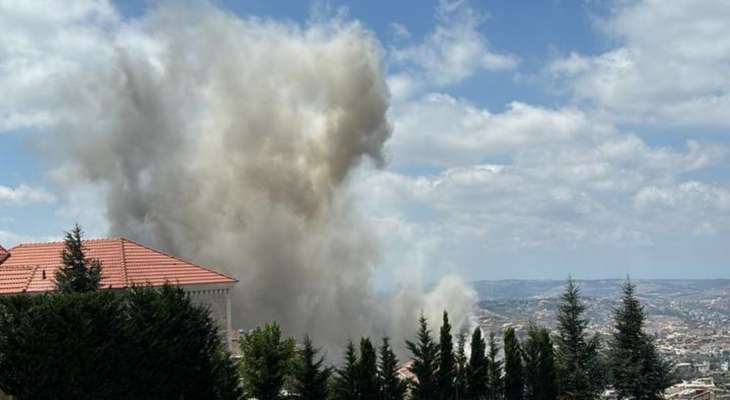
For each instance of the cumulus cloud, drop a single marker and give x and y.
(24, 195)
(39, 48)
(669, 65)
(454, 51)
(469, 186)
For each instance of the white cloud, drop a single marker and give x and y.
(466, 185)
(454, 51)
(400, 31)
(669, 66)
(24, 195)
(42, 45)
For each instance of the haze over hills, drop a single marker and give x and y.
(679, 289)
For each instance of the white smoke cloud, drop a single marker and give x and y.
(232, 142)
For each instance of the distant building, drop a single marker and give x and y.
(699, 389)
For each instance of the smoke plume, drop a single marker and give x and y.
(231, 142)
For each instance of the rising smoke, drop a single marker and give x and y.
(230, 142)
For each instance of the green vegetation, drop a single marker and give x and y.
(268, 358)
(77, 273)
(637, 371)
(142, 343)
(425, 353)
(514, 384)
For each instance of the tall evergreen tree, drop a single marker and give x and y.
(77, 272)
(460, 380)
(425, 363)
(368, 386)
(447, 361)
(540, 379)
(392, 387)
(637, 371)
(514, 385)
(577, 356)
(345, 383)
(267, 360)
(495, 385)
(477, 379)
(310, 375)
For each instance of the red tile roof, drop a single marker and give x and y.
(3, 254)
(32, 267)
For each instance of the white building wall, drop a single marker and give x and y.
(217, 298)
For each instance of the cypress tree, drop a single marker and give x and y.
(425, 363)
(495, 384)
(367, 377)
(345, 382)
(513, 379)
(636, 369)
(540, 380)
(77, 273)
(576, 356)
(392, 387)
(477, 378)
(447, 361)
(460, 380)
(310, 374)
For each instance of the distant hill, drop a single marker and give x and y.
(684, 289)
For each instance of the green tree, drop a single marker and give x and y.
(637, 371)
(143, 343)
(392, 387)
(514, 385)
(77, 273)
(267, 360)
(368, 386)
(460, 380)
(576, 356)
(310, 375)
(495, 383)
(477, 378)
(446, 375)
(540, 380)
(345, 383)
(425, 363)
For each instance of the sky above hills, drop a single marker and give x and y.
(530, 139)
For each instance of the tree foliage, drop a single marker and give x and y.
(577, 357)
(637, 371)
(538, 354)
(345, 383)
(446, 375)
(477, 378)
(425, 363)
(77, 273)
(495, 383)
(310, 373)
(514, 385)
(392, 387)
(267, 360)
(462, 365)
(368, 387)
(143, 343)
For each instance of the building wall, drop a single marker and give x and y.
(218, 301)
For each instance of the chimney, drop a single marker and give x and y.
(3, 254)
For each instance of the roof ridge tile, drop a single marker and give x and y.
(30, 279)
(125, 275)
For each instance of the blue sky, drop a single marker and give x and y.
(530, 139)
